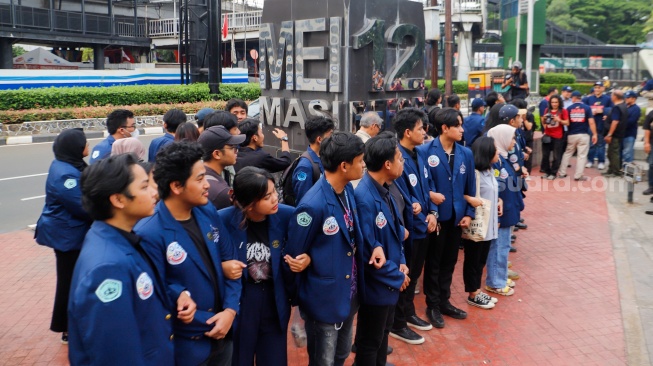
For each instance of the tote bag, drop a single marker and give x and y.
(478, 228)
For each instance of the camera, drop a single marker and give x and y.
(548, 119)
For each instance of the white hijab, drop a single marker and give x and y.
(502, 135)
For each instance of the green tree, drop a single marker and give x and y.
(648, 26)
(17, 51)
(558, 12)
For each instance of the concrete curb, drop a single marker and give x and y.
(31, 139)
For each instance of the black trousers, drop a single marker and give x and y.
(475, 258)
(441, 258)
(374, 323)
(529, 163)
(65, 267)
(415, 258)
(550, 167)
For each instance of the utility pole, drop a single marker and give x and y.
(214, 45)
(529, 42)
(434, 57)
(448, 50)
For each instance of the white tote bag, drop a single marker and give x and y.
(477, 230)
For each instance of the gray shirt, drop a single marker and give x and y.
(490, 191)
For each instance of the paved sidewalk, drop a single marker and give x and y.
(566, 309)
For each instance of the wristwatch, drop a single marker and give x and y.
(434, 213)
(285, 138)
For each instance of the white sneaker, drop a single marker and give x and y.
(589, 165)
(601, 166)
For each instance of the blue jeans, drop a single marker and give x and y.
(650, 170)
(497, 260)
(329, 344)
(628, 149)
(597, 151)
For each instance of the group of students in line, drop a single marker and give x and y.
(182, 262)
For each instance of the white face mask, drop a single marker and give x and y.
(136, 133)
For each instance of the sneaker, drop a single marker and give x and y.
(648, 191)
(510, 283)
(493, 300)
(562, 175)
(513, 249)
(452, 311)
(506, 291)
(551, 177)
(581, 179)
(416, 322)
(64, 338)
(480, 302)
(509, 264)
(407, 335)
(589, 165)
(513, 237)
(513, 275)
(435, 317)
(601, 166)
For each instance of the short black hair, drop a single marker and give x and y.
(187, 132)
(407, 119)
(433, 97)
(519, 103)
(317, 126)
(117, 119)
(174, 163)
(491, 99)
(338, 148)
(248, 127)
(484, 151)
(379, 149)
(220, 118)
(492, 118)
(448, 117)
(102, 180)
(452, 100)
(173, 118)
(250, 186)
(551, 90)
(235, 102)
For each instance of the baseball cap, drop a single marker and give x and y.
(567, 89)
(517, 64)
(598, 83)
(630, 94)
(216, 137)
(576, 94)
(477, 103)
(203, 113)
(508, 111)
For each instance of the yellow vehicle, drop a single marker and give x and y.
(482, 82)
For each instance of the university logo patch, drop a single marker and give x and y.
(330, 226)
(381, 221)
(176, 254)
(413, 179)
(426, 173)
(463, 168)
(304, 219)
(504, 173)
(433, 161)
(95, 154)
(109, 290)
(301, 176)
(144, 286)
(70, 183)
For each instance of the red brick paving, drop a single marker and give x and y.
(565, 310)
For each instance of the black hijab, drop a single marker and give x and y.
(69, 147)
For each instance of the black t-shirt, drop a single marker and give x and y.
(193, 230)
(399, 200)
(259, 265)
(451, 156)
(515, 90)
(647, 123)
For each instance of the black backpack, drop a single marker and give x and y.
(286, 191)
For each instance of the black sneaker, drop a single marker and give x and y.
(407, 335)
(435, 317)
(489, 298)
(64, 338)
(648, 191)
(480, 302)
(452, 311)
(513, 249)
(521, 226)
(415, 322)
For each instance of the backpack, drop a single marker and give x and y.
(286, 191)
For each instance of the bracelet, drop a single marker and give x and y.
(187, 293)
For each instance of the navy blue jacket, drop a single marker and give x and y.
(302, 177)
(157, 144)
(473, 126)
(102, 149)
(63, 222)
(118, 312)
(182, 267)
(379, 230)
(453, 185)
(277, 225)
(324, 287)
(604, 101)
(509, 192)
(415, 182)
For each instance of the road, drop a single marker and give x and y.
(24, 169)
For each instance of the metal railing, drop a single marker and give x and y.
(466, 6)
(160, 28)
(239, 22)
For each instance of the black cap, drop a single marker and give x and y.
(216, 137)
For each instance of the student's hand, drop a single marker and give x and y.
(233, 269)
(464, 223)
(436, 198)
(475, 201)
(417, 208)
(431, 223)
(647, 148)
(406, 282)
(222, 322)
(608, 139)
(279, 133)
(299, 263)
(378, 258)
(403, 269)
(406, 234)
(186, 308)
(524, 172)
(500, 207)
(595, 140)
(526, 156)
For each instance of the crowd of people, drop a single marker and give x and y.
(198, 256)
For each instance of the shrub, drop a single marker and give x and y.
(459, 87)
(121, 95)
(557, 78)
(583, 88)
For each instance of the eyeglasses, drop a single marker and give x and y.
(233, 147)
(132, 126)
